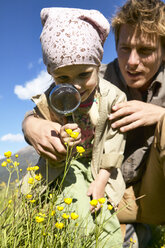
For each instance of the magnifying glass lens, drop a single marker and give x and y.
(64, 98)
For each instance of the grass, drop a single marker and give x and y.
(38, 221)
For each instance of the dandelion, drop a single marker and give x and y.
(39, 219)
(8, 154)
(74, 216)
(53, 213)
(74, 135)
(31, 180)
(94, 202)
(68, 200)
(59, 225)
(60, 208)
(80, 150)
(65, 216)
(33, 201)
(28, 196)
(16, 155)
(101, 200)
(68, 131)
(4, 164)
(38, 177)
(110, 207)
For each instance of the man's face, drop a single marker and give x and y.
(139, 56)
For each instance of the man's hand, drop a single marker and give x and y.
(133, 114)
(44, 136)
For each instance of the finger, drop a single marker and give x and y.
(131, 126)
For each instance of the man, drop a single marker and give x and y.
(139, 71)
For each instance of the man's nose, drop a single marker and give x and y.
(134, 58)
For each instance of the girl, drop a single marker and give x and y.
(72, 45)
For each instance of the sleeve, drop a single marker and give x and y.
(114, 143)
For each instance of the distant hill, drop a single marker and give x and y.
(26, 156)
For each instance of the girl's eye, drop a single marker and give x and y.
(85, 74)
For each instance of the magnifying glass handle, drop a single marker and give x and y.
(70, 118)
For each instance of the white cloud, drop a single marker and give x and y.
(34, 87)
(40, 61)
(12, 137)
(30, 65)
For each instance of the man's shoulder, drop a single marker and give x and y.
(107, 69)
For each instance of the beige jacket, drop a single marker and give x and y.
(108, 144)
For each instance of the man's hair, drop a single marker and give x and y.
(147, 15)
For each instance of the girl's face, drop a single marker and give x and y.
(83, 77)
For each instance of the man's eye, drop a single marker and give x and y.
(146, 51)
(124, 49)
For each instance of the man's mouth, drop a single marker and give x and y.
(133, 74)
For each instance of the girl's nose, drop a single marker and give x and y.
(77, 84)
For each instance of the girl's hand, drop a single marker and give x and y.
(97, 187)
(73, 137)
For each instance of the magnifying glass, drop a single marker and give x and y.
(65, 99)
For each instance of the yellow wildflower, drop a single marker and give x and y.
(74, 135)
(16, 164)
(11, 166)
(110, 207)
(59, 225)
(51, 196)
(39, 219)
(38, 177)
(41, 214)
(80, 149)
(10, 201)
(8, 154)
(20, 169)
(31, 180)
(28, 196)
(8, 160)
(132, 241)
(36, 167)
(53, 213)
(68, 200)
(68, 131)
(16, 155)
(101, 200)
(32, 201)
(74, 216)
(60, 208)
(65, 216)
(94, 202)
(4, 164)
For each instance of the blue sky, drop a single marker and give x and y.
(22, 71)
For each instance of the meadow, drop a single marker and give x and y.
(36, 220)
